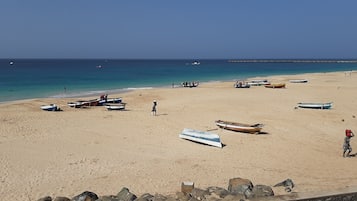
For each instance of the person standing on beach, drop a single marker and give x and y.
(154, 108)
(346, 143)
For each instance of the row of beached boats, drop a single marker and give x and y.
(265, 83)
(213, 139)
(109, 103)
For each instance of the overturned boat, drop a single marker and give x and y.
(201, 137)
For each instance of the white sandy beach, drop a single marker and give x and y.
(65, 153)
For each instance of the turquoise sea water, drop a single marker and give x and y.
(38, 78)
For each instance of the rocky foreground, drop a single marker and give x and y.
(238, 189)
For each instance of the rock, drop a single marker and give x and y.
(288, 184)
(125, 195)
(159, 197)
(240, 186)
(145, 197)
(236, 197)
(62, 199)
(182, 196)
(261, 191)
(85, 196)
(199, 194)
(47, 198)
(108, 198)
(221, 192)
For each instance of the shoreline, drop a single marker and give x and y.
(65, 153)
(93, 94)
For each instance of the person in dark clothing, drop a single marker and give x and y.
(154, 108)
(346, 143)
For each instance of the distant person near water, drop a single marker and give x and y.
(346, 143)
(154, 108)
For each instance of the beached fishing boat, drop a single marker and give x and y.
(276, 85)
(114, 100)
(241, 84)
(51, 107)
(201, 137)
(78, 104)
(258, 82)
(240, 127)
(298, 81)
(315, 105)
(120, 106)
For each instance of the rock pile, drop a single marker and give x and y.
(239, 189)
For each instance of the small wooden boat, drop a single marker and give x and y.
(315, 105)
(120, 106)
(51, 107)
(201, 137)
(298, 81)
(276, 85)
(234, 126)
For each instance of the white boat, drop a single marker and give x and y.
(298, 81)
(258, 82)
(315, 105)
(113, 100)
(79, 104)
(201, 137)
(195, 63)
(116, 107)
(51, 107)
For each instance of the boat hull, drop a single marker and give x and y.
(239, 127)
(51, 107)
(282, 85)
(201, 137)
(315, 105)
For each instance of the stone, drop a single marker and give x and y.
(145, 197)
(62, 199)
(236, 197)
(221, 192)
(159, 197)
(126, 195)
(47, 198)
(261, 191)
(240, 186)
(108, 198)
(85, 196)
(199, 194)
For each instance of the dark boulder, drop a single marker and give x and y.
(240, 186)
(145, 197)
(126, 195)
(108, 198)
(62, 199)
(85, 196)
(199, 194)
(261, 191)
(47, 198)
(220, 192)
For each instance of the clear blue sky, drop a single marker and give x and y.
(178, 29)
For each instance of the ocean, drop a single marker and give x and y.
(42, 78)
